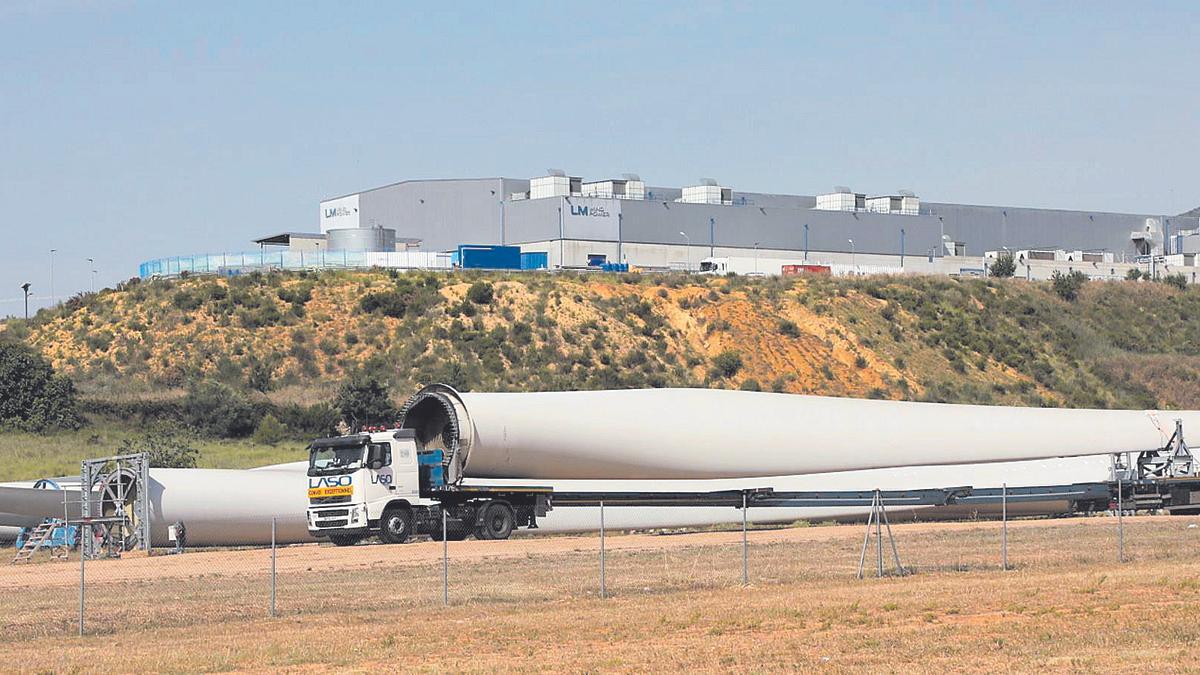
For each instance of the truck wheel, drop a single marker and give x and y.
(345, 539)
(396, 525)
(497, 522)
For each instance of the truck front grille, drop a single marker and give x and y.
(332, 523)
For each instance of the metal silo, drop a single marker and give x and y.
(372, 239)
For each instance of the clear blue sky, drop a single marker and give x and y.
(136, 130)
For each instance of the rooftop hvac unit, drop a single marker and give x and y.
(708, 192)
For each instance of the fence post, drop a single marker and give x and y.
(603, 588)
(879, 533)
(745, 546)
(445, 562)
(85, 530)
(1120, 520)
(273, 547)
(1004, 525)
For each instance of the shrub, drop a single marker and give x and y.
(166, 449)
(727, 363)
(1003, 266)
(319, 419)
(365, 401)
(218, 410)
(1067, 286)
(751, 384)
(1133, 274)
(788, 328)
(480, 293)
(269, 430)
(34, 397)
(1177, 280)
(860, 361)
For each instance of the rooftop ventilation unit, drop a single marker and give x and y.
(627, 188)
(708, 192)
(556, 184)
(841, 199)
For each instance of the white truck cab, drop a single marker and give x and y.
(385, 483)
(714, 266)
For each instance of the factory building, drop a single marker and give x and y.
(583, 223)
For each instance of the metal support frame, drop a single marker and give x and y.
(111, 480)
(745, 546)
(879, 520)
(1173, 460)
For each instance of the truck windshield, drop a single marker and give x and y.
(336, 460)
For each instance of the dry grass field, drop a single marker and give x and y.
(676, 603)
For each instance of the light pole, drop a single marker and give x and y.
(688, 250)
(52, 276)
(852, 261)
(756, 257)
(25, 287)
(93, 262)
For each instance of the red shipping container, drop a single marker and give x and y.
(790, 270)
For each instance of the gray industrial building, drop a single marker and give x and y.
(446, 213)
(585, 224)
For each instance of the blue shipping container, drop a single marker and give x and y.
(489, 257)
(535, 260)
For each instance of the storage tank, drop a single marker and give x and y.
(372, 239)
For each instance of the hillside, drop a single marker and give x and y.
(295, 336)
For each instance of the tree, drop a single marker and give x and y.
(1067, 286)
(34, 397)
(1133, 274)
(365, 401)
(219, 410)
(166, 449)
(1003, 266)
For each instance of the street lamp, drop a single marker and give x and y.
(852, 262)
(52, 276)
(93, 262)
(25, 287)
(689, 249)
(756, 257)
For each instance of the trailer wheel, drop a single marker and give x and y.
(345, 539)
(396, 525)
(497, 522)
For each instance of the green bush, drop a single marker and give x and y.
(750, 384)
(1133, 274)
(219, 410)
(480, 293)
(166, 449)
(1067, 286)
(1178, 280)
(33, 397)
(788, 328)
(317, 420)
(727, 363)
(269, 431)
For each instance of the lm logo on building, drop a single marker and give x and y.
(593, 211)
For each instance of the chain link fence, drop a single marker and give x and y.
(52, 595)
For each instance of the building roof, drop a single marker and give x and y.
(285, 238)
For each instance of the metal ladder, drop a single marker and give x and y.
(37, 537)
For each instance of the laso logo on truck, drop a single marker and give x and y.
(330, 486)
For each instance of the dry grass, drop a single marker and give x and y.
(677, 604)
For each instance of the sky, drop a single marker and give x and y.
(136, 130)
